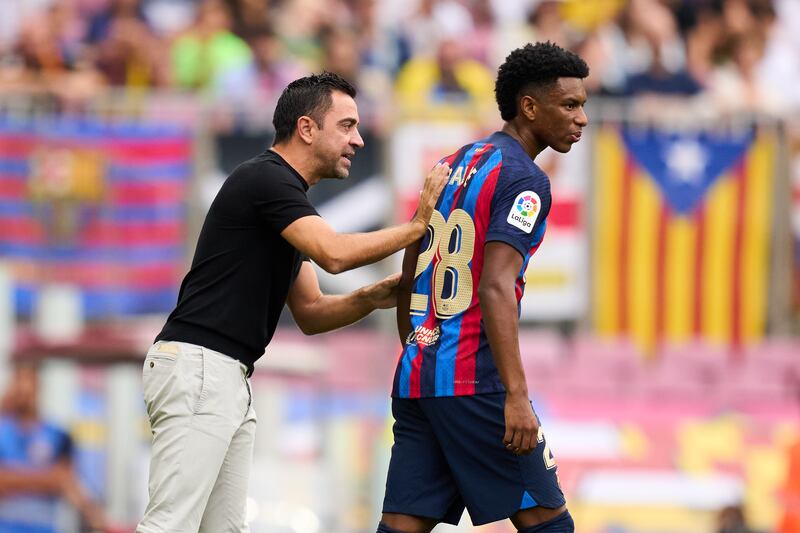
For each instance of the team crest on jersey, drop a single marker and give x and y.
(524, 211)
(424, 336)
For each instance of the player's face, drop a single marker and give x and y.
(340, 137)
(560, 118)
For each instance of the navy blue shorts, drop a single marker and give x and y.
(448, 454)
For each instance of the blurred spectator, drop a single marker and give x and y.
(127, 53)
(433, 18)
(99, 26)
(653, 27)
(209, 55)
(449, 77)
(735, 85)
(588, 16)
(14, 13)
(605, 77)
(50, 43)
(49, 58)
(541, 21)
(275, 69)
(745, 16)
(249, 15)
(731, 520)
(298, 23)
(36, 470)
(481, 40)
(169, 17)
(756, 71)
(547, 23)
(381, 39)
(703, 28)
(341, 52)
(342, 55)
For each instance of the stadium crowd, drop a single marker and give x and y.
(735, 55)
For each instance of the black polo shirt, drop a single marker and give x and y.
(233, 295)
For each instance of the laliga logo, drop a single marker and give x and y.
(524, 211)
(526, 205)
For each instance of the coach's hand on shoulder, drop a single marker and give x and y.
(337, 252)
(383, 294)
(429, 195)
(522, 428)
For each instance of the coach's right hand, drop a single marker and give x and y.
(429, 195)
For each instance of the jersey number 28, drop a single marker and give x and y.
(451, 242)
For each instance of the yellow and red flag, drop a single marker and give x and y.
(682, 235)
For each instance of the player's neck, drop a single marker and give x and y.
(524, 137)
(300, 162)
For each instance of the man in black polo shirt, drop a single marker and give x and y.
(249, 262)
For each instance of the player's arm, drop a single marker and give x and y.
(404, 289)
(337, 252)
(498, 302)
(316, 312)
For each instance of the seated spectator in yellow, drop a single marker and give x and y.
(448, 78)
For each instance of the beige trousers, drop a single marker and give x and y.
(201, 414)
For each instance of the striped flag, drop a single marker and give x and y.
(98, 206)
(681, 235)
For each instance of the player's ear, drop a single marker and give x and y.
(305, 129)
(527, 107)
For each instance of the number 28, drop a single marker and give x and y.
(451, 282)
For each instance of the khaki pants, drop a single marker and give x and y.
(203, 423)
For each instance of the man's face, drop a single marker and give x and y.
(559, 114)
(339, 138)
(22, 394)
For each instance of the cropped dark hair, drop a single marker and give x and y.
(532, 67)
(309, 96)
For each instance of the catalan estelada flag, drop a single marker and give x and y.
(681, 238)
(100, 207)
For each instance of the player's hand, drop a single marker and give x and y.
(429, 195)
(522, 427)
(383, 294)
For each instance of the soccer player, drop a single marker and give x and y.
(465, 432)
(248, 263)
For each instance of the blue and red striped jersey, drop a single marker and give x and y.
(495, 192)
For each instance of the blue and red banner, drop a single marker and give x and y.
(98, 206)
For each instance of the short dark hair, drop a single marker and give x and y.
(534, 66)
(309, 96)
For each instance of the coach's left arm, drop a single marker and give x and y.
(315, 312)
